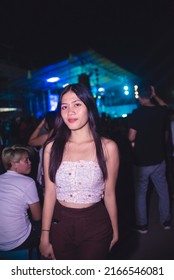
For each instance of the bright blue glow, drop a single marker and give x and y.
(126, 92)
(98, 102)
(52, 102)
(124, 115)
(39, 114)
(101, 89)
(65, 85)
(53, 79)
(125, 88)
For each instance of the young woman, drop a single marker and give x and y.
(80, 169)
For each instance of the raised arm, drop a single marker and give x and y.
(48, 208)
(112, 163)
(157, 98)
(36, 139)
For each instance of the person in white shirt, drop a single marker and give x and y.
(20, 210)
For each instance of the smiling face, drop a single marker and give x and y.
(73, 111)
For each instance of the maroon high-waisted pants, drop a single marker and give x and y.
(81, 234)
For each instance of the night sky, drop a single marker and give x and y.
(137, 35)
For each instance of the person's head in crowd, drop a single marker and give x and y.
(145, 92)
(17, 158)
(145, 95)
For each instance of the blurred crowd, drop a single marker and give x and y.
(20, 129)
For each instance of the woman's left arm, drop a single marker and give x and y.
(112, 163)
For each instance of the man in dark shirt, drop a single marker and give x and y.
(147, 132)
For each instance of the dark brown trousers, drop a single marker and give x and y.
(81, 234)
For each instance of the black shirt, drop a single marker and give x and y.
(150, 122)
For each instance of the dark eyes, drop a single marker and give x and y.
(77, 104)
(64, 107)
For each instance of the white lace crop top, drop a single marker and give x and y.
(79, 182)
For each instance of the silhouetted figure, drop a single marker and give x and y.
(37, 139)
(147, 130)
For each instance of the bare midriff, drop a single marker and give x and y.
(75, 205)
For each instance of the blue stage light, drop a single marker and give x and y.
(53, 79)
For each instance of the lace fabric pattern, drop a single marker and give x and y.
(79, 182)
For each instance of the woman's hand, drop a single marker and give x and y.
(46, 251)
(113, 241)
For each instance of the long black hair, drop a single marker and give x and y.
(62, 133)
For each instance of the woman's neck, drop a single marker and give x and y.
(80, 136)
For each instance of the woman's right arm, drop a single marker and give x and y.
(48, 208)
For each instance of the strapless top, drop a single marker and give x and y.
(79, 182)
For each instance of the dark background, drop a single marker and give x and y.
(137, 35)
